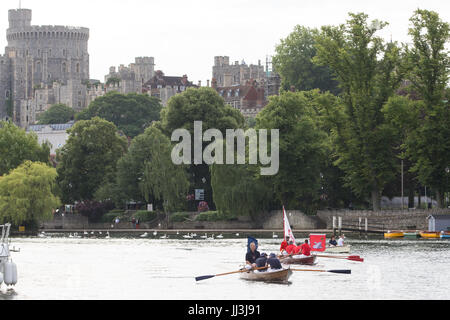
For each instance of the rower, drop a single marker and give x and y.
(291, 247)
(340, 242)
(306, 249)
(261, 261)
(251, 256)
(283, 247)
(333, 242)
(273, 262)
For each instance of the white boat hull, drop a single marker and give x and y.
(344, 249)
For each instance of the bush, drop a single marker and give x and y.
(212, 216)
(112, 215)
(94, 210)
(179, 217)
(145, 216)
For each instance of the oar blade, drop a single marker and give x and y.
(341, 271)
(356, 259)
(203, 278)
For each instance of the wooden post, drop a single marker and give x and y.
(334, 225)
(359, 226)
(340, 225)
(366, 227)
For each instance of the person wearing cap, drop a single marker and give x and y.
(261, 261)
(251, 256)
(273, 262)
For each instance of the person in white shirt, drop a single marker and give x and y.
(340, 242)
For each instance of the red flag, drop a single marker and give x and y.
(318, 242)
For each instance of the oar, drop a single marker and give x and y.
(351, 258)
(225, 274)
(332, 271)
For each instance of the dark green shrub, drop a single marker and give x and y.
(145, 216)
(212, 216)
(179, 217)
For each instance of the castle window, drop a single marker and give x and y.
(39, 52)
(64, 52)
(64, 67)
(7, 93)
(78, 68)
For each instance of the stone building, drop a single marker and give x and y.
(42, 65)
(55, 134)
(165, 87)
(132, 78)
(249, 98)
(227, 74)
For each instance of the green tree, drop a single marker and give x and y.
(131, 113)
(57, 113)
(302, 150)
(206, 105)
(161, 179)
(428, 145)
(16, 146)
(27, 194)
(89, 158)
(368, 71)
(238, 191)
(293, 61)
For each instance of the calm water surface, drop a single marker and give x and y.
(154, 269)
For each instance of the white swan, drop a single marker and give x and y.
(107, 235)
(274, 236)
(145, 235)
(188, 236)
(220, 236)
(155, 233)
(164, 237)
(204, 237)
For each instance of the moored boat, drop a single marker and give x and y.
(445, 235)
(281, 275)
(430, 235)
(310, 260)
(344, 249)
(412, 234)
(394, 234)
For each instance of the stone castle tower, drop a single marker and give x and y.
(42, 65)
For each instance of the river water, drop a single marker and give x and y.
(155, 269)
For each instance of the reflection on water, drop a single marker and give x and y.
(63, 268)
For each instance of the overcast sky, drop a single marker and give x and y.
(184, 35)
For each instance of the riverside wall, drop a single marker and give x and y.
(388, 219)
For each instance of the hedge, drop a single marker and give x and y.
(145, 216)
(179, 217)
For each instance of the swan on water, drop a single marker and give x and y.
(274, 236)
(220, 236)
(145, 235)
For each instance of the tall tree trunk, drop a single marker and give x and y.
(411, 197)
(419, 205)
(440, 199)
(376, 199)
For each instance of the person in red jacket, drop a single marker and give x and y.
(305, 248)
(290, 248)
(283, 246)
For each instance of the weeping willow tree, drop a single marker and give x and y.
(27, 194)
(238, 191)
(161, 179)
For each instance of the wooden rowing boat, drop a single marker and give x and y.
(430, 235)
(281, 275)
(344, 249)
(311, 260)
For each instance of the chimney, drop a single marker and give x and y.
(207, 83)
(199, 83)
(214, 83)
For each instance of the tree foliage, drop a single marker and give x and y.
(89, 158)
(302, 149)
(27, 194)
(427, 144)
(131, 113)
(293, 61)
(161, 179)
(16, 146)
(368, 71)
(206, 105)
(56, 114)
